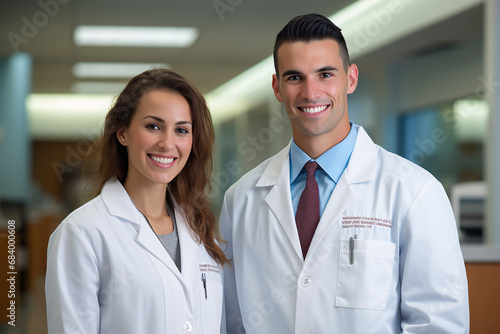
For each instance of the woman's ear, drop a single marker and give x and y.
(121, 136)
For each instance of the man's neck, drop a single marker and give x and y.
(315, 146)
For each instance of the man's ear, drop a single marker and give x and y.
(120, 135)
(276, 88)
(352, 78)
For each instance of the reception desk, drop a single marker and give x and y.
(482, 263)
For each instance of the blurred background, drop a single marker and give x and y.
(428, 91)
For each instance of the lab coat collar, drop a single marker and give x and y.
(120, 204)
(274, 168)
(188, 240)
(276, 175)
(361, 167)
(118, 201)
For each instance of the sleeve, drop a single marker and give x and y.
(234, 324)
(72, 283)
(434, 294)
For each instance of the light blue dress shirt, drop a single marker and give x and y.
(333, 163)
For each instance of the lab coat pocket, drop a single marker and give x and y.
(365, 274)
(211, 301)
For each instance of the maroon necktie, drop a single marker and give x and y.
(307, 216)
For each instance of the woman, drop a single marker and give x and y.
(143, 256)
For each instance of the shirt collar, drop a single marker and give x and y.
(333, 162)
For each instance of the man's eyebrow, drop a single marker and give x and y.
(322, 69)
(328, 68)
(290, 72)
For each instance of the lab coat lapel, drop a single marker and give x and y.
(149, 240)
(189, 246)
(340, 199)
(361, 168)
(277, 175)
(119, 204)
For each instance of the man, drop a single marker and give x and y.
(334, 234)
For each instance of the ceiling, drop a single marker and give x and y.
(232, 39)
(461, 28)
(233, 35)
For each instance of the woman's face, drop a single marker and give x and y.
(159, 138)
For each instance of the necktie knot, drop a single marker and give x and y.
(311, 167)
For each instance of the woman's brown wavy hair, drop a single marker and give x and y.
(192, 184)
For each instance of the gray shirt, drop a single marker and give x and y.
(171, 240)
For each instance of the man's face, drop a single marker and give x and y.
(313, 85)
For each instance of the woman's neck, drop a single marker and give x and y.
(149, 199)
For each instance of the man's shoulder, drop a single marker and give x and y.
(395, 169)
(250, 179)
(400, 165)
(266, 172)
(386, 164)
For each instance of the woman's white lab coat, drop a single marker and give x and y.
(406, 274)
(107, 272)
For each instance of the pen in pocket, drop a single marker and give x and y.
(204, 280)
(351, 248)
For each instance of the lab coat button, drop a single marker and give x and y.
(306, 281)
(188, 327)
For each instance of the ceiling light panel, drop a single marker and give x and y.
(176, 37)
(112, 70)
(97, 87)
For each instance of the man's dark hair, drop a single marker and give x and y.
(311, 27)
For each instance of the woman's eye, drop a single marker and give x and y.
(152, 127)
(181, 130)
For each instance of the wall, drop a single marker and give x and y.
(15, 85)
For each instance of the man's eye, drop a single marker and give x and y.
(293, 78)
(326, 75)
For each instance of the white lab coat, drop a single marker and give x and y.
(107, 272)
(407, 276)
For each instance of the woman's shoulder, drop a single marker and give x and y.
(86, 215)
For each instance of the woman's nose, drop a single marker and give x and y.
(166, 141)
